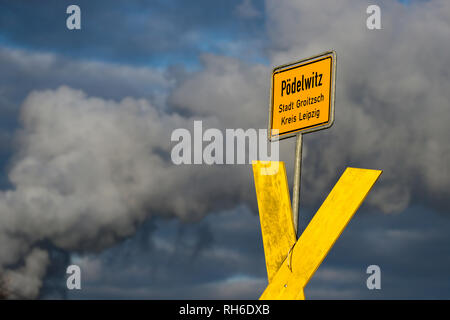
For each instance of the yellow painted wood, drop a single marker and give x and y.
(321, 233)
(274, 212)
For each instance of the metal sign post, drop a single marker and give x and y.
(301, 101)
(297, 181)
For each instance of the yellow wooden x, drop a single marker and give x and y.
(290, 262)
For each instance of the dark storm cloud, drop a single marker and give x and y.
(158, 32)
(24, 71)
(411, 249)
(413, 258)
(88, 170)
(231, 265)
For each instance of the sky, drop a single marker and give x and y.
(86, 118)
